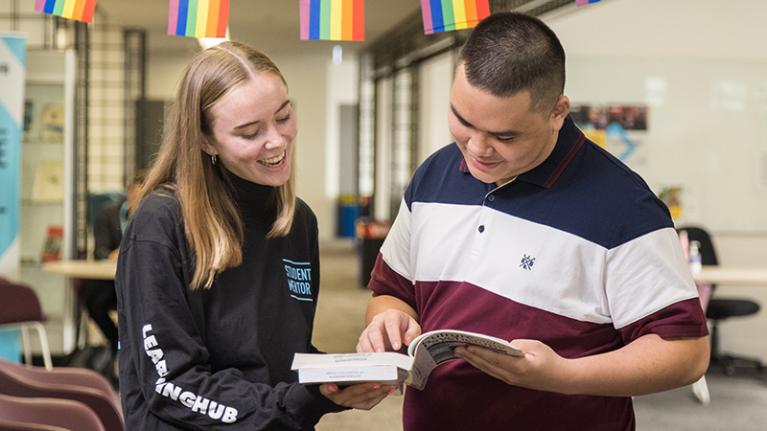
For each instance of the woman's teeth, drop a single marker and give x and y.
(273, 161)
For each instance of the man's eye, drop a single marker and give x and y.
(505, 138)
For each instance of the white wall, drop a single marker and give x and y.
(307, 80)
(436, 77)
(688, 40)
(342, 89)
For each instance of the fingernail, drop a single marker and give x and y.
(332, 389)
(391, 390)
(376, 386)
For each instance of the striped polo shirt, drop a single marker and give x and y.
(577, 253)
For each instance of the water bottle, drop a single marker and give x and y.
(694, 257)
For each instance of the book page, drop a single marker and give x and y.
(346, 375)
(440, 344)
(423, 364)
(359, 360)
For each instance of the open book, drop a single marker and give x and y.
(427, 351)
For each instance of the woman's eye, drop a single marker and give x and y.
(283, 119)
(252, 135)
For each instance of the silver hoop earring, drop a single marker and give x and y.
(213, 159)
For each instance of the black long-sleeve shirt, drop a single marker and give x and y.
(107, 231)
(217, 358)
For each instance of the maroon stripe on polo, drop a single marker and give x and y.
(386, 281)
(684, 319)
(565, 162)
(465, 306)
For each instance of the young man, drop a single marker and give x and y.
(526, 231)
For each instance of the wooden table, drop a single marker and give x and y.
(77, 269)
(736, 276)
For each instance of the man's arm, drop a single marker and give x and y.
(391, 323)
(646, 365)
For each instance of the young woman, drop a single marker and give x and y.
(218, 274)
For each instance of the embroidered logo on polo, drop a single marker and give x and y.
(527, 262)
(299, 276)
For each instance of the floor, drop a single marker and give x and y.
(737, 403)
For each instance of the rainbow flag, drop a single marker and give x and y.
(198, 18)
(448, 15)
(332, 20)
(78, 10)
(584, 2)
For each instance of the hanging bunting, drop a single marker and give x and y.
(584, 2)
(78, 10)
(448, 15)
(198, 18)
(332, 20)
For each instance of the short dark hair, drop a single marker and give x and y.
(509, 52)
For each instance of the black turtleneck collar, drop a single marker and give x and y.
(254, 200)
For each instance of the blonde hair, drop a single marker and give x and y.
(212, 221)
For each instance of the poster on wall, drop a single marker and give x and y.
(618, 128)
(12, 70)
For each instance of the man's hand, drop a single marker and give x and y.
(363, 396)
(389, 330)
(540, 368)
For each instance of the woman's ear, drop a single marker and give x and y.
(207, 146)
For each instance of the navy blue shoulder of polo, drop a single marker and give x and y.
(580, 189)
(569, 143)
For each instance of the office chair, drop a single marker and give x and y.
(47, 412)
(720, 308)
(20, 426)
(20, 308)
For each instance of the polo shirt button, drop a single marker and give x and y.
(481, 228)
(491, 198)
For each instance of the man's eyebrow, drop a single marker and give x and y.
(460, 118)
(467, 124)
(242, 126)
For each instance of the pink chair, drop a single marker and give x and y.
(20, 308)
(18, 426)
(49, 413)
(85, 386)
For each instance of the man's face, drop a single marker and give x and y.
(501, 137)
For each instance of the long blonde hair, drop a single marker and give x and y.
(212, 222)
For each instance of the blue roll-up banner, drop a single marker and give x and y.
(12, 70)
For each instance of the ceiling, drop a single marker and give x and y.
(271, 25)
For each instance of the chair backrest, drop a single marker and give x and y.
(707, 257)
(20, 384)
(62, 413)
(19, 304)
(707, 250)
(66, 376)
(20, 426)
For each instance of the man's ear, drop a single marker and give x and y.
(559, 113)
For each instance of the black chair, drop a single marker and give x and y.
(720, 308)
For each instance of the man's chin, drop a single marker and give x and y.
(484, 177)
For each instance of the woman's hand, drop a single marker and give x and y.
(363, 396)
